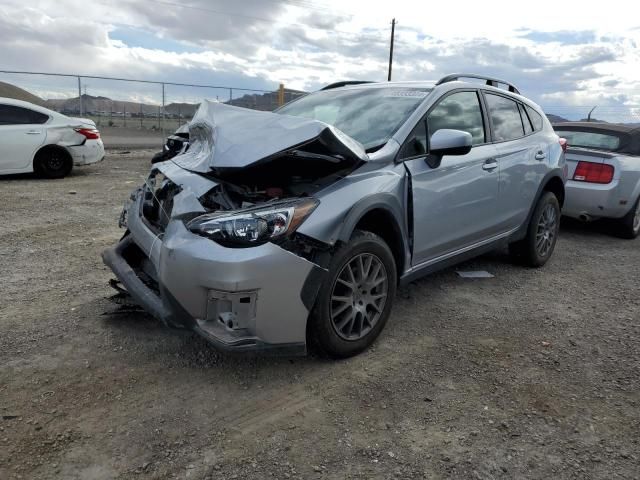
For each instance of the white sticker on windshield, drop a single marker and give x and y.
(406, 93)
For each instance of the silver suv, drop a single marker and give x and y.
(276, 229)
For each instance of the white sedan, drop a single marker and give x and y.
(36, 139)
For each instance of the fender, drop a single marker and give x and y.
(522, 231)
(379, 201)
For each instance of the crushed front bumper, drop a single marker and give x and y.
(239, 299)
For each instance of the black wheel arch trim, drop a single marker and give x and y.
(522, 231)
(50, 146)
(379, 201)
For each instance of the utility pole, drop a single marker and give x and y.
(393, 32)
(281, 95)
(163, 100)
(80, 95)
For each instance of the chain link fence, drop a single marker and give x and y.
(157, 107)
(153, 106)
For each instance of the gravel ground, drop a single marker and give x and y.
(531, 374)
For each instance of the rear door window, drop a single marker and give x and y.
(13, 115)
(505, 118)
(600, 141)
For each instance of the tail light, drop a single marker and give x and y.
(593, 172)
(564, 144)
(89, 133)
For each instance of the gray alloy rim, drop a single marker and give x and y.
(55, 162)
(546, 233)
(636, 218)
(359, 296)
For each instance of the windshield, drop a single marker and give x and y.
(369, 115)
(600, 141)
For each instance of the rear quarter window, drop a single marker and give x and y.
(535, 117)
(14, 115)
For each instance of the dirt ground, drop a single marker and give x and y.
(531, 374)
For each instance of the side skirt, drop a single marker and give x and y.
(453, 258)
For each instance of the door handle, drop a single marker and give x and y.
(540, 155)
(490, 165)
(33, 132)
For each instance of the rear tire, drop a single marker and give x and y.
(542, 233)
(629, 225)
(355, 298)
(53, 163)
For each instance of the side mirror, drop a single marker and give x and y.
(447, 142)
(450, 142)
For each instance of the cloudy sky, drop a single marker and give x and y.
(567, 55)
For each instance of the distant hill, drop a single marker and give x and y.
(11, 91)
(556, 118)
(184, 109)
(264, 101)
(593, 120)
(92, 104)
(103, 105)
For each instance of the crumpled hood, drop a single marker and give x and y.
(225, 137)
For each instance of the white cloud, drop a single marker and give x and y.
(265, 42)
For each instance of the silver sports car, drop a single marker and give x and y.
(604, 173)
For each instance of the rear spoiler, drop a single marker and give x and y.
(592, 153)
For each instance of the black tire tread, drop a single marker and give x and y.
(39, 163)
(625, 224)
(320, 333)
(524, 251)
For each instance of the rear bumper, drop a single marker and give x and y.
(92, 151)
(595, 200)
(238, 299)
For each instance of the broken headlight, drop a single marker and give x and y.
(255, 226)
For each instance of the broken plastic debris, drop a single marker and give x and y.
(475, 274)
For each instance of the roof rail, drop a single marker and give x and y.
(493, 82)
(345, 83)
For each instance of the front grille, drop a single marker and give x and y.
(157, 205)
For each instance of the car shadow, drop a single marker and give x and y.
(21, 176)
(130, 323)
(76, 172)
(600, 227)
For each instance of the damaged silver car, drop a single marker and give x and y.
(279, 229)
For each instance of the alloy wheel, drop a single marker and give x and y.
(547, 230)
(359, 296)
(55, 162)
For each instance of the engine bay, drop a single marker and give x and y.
(292, 174)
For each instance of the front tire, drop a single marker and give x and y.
(629, 225)
(542, 233)
(53, 163)
(355, 299)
